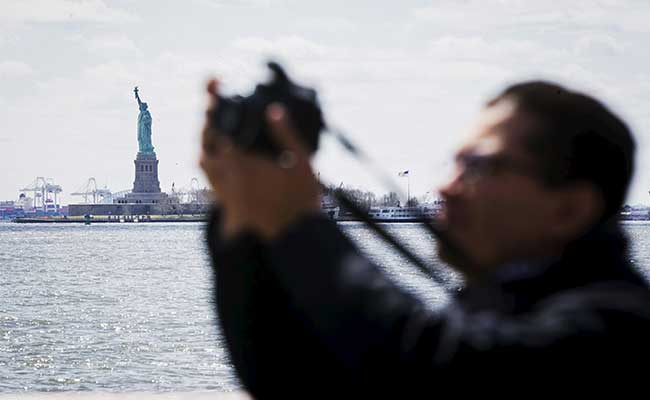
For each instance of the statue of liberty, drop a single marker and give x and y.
(144, 126)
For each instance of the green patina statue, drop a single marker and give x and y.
(144, 126)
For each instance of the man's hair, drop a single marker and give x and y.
(576, 138)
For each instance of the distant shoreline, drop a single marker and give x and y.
(101, 219)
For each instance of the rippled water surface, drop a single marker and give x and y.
(128, 307)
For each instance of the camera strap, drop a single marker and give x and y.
(357, 211)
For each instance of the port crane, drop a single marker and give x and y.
(187, 194)
(45, 193)
(97, 195)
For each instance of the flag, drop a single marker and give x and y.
(403, 173)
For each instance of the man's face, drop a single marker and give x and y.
(497, 209)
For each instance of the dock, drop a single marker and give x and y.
(99, 219)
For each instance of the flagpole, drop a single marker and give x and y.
(408, 190)
(408, 185)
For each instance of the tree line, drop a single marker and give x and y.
(367, 199)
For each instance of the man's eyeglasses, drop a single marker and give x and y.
(474, 167)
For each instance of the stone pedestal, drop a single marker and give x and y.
(146, 174)
(146, 186)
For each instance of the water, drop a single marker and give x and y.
(108, 307)
(128, 307)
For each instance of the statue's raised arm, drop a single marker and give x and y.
(144, 126)
(135, 90)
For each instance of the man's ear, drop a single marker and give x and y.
(578, 206)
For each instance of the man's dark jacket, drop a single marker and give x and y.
(308, 316)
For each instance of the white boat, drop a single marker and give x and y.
(331, 211)
(634, 213)
(404, 214)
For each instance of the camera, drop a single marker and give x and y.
(243, 118)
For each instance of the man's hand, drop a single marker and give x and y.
(257, 193)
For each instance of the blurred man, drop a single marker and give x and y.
(550, 297)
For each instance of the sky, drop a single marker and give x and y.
(405, 80)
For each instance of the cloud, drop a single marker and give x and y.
(448, 57)
(39, 11)
(241, 3)
(243, 61)
(480, 48)
(14, 70)
(293, 45)
(109, 72)
(598, 44)
(104, 46)
(328, 25)
(487, 15)
(112, 45)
